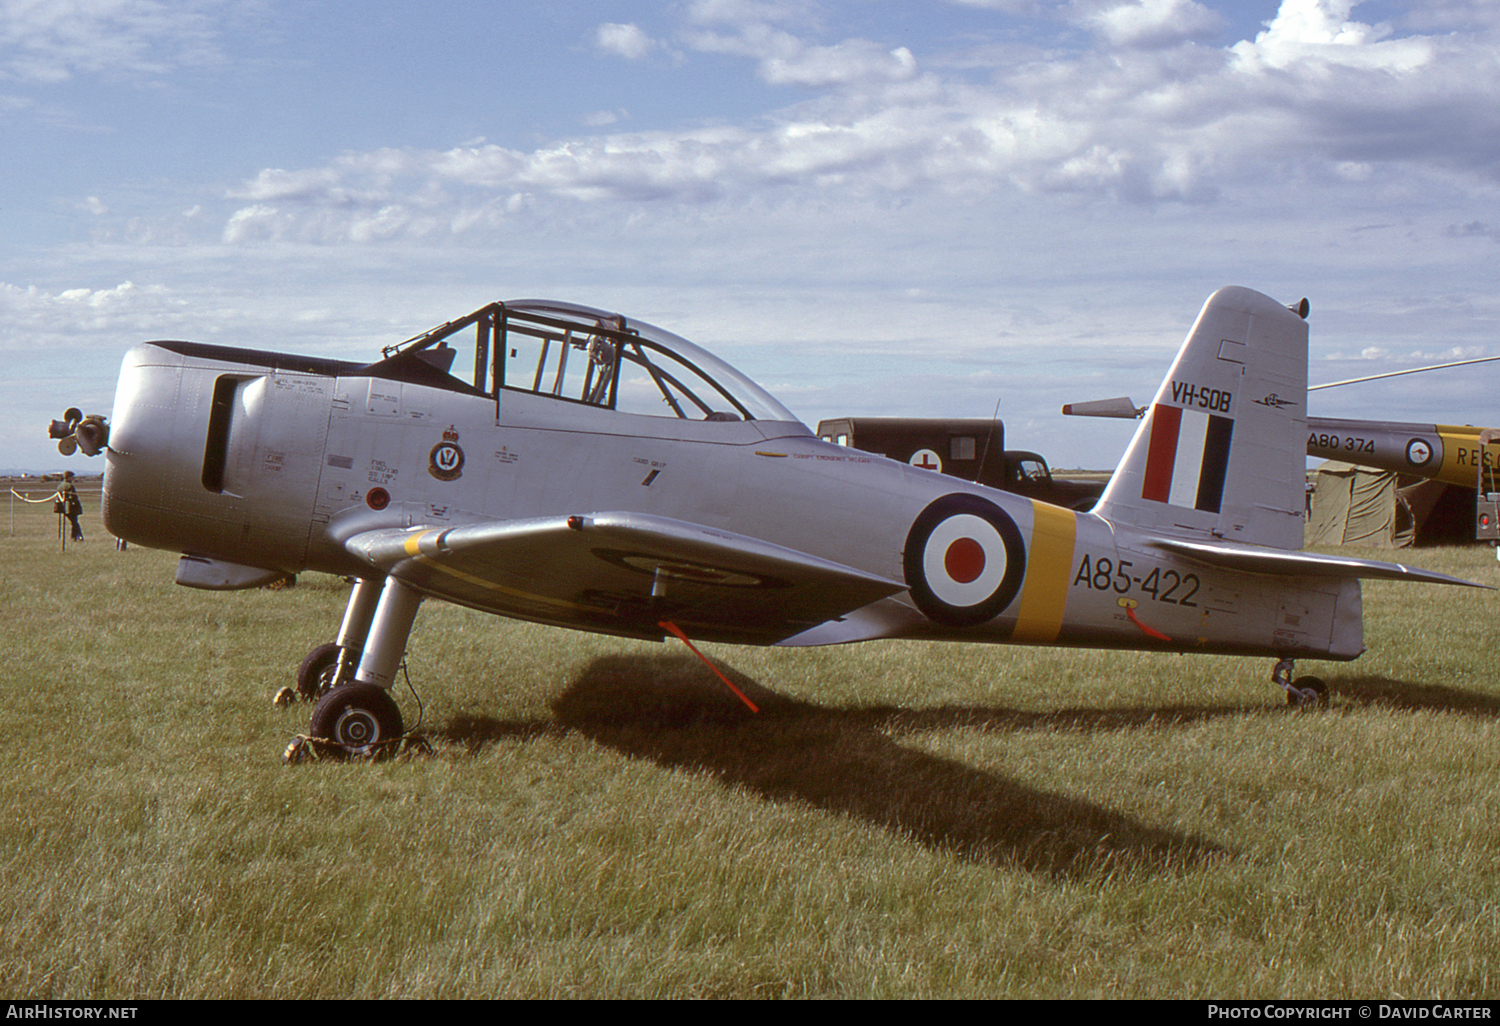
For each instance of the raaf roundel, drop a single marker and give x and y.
(964, 560)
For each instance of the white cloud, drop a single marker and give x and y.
(1319, 21)
(37, 319)
(783, 58)
(1318, 33)
(1315, 94)
(252, 224)
(273, 183)
(850, 61)
(388, 221)
(54, 40)
(1154, 23)
(629, 41)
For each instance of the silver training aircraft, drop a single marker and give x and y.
(599, 473)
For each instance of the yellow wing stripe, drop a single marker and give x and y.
(1044, 594)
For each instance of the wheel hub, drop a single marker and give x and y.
(356, 728)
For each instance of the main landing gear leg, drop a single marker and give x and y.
(385, 644)
(364, 599)
(359, 717)
(1309, 692)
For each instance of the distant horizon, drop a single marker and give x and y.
(25, 475)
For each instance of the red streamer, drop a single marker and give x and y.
(669, 625)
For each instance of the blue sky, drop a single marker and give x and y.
(869, 206)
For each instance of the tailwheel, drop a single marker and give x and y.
(1304, 692)
(358, 720)
(316, 674)
(1308, 693)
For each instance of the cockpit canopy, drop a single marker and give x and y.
(581, 355)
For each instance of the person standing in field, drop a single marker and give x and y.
(72, 508)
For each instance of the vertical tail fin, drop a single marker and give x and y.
(1222, 449)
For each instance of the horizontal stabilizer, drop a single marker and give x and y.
(1123, 408)
(1299, 564)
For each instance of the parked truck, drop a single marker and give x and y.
(970, 449)
(1487, 492)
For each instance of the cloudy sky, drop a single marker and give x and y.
(918, 207)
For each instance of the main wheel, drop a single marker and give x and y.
(356, 719)
(1313, 684)
(315, 675)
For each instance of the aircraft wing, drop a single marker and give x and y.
(1288, 563)
(623, 573)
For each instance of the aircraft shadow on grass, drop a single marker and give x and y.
(668, 708)
(672, 711)
(1400, 694)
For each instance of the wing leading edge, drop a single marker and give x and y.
(623, 573)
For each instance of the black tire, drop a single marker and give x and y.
(356, 720)
(1313, 684)
(315, 675)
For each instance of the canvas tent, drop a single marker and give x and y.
(1354, 505)
(1443, 513)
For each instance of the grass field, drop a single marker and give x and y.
(602, 818)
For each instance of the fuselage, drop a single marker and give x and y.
(271, 461)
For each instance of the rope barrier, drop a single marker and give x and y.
(54, 497)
